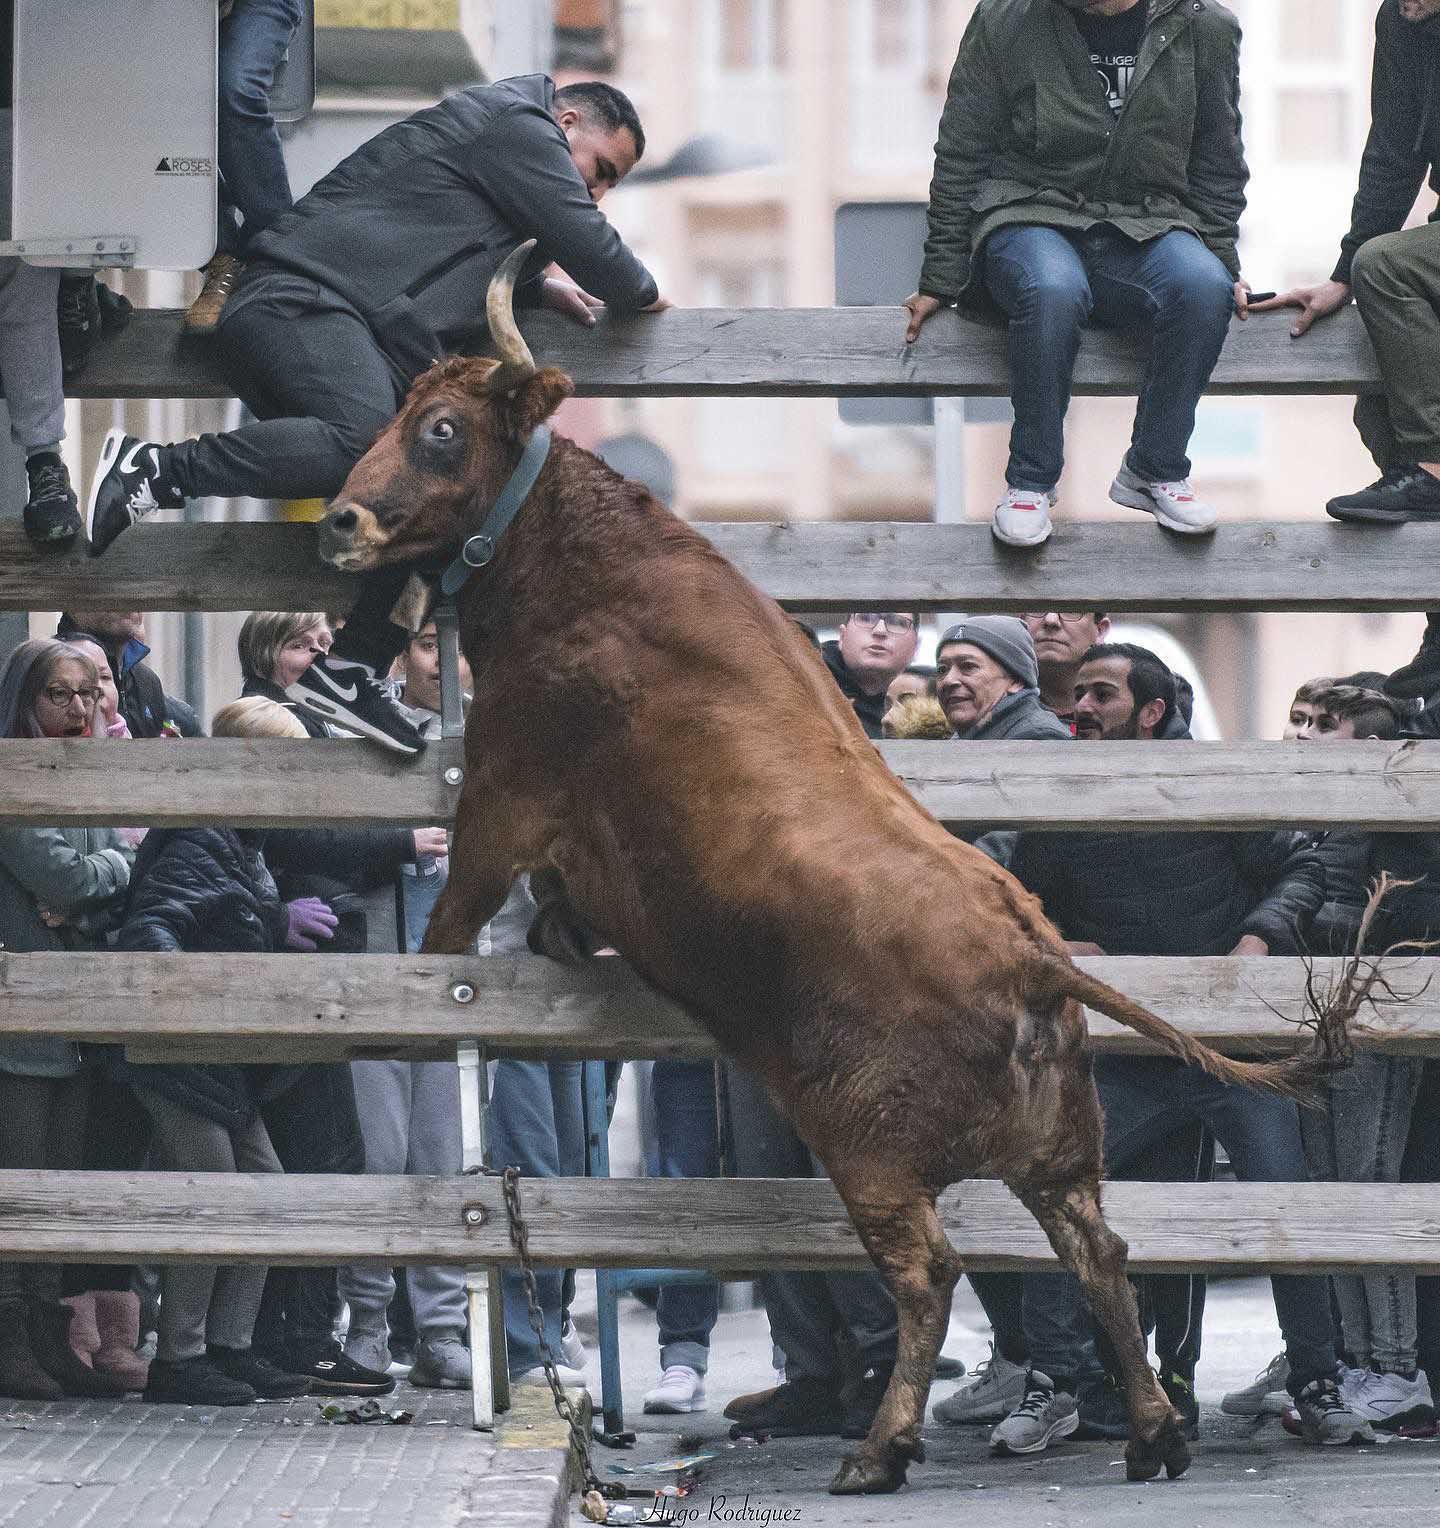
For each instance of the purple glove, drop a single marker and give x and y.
(308, 919)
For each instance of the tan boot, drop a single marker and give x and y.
(84, 1334)
(117, 1315)
(221, 275)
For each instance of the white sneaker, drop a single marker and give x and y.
(681, 1388)
(1265, 1395)
(572, 1350)
(1175, 505)
(1043, 1416)
(997, 1388)
(570, 1379)
(1022, 518)
(1388, 1401)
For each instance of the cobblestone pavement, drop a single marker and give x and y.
(75, 1464)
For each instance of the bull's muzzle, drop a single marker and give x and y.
(350, 537)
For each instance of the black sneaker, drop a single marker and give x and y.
(129, 483)
(1325, 1416)
(195, 1382)
(269, 1381)
(346, 695)
(800, 1408)
(325, 1365)
(115, 310)
(1103, 1412)
(1181, 1394)
(52, 517)
(862, 1401)
(78, 312)
(1404, 493)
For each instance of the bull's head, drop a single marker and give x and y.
(437, 467)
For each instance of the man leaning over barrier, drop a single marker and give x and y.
(1090, 164)
(1394, 274)
(350, 295)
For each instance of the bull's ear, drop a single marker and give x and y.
(533, 402)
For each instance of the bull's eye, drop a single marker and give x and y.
(442, 430)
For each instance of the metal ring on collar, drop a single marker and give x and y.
(477, 551)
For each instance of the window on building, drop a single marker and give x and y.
(743, 56)
(739, 436)
(1312, 125)
(1314, 29)
(897, 78)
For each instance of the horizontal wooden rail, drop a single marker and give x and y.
(801, 352)
(1119, 565)
(269, 782)
(725, 1224)
(262, 1007)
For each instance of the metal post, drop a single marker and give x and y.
(489, 1369)
(452, 700)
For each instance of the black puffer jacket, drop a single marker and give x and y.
(1404, 139)
(197, 890)
(1353, 861)
(1174, 893)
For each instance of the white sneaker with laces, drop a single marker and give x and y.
(681, 1389)
(1265, 1395)
(1022, 517)
(1043, 1416)
(997, 1388)
(572, 1349)
(1175, 504)
(1388, 1401)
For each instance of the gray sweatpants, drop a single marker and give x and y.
(200, 1303)
(30, 373)
(410, 1118)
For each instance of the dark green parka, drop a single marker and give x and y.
(1027, 134)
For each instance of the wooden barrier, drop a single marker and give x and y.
(268, 782)
(256, 1007)
(730, 1225)
(799, 352)
(1118, 565)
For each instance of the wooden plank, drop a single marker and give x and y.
(800, 352)
(1123, 565)
(730, 1225)
(247, 1007)
(269, 782)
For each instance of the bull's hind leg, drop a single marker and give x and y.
(1071, 1218)
(903, 1234)
(485, 847)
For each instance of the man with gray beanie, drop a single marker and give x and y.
(988, 682)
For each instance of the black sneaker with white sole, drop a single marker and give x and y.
(346, 695)
(130, 482)
(52, 517)
(330, 1372)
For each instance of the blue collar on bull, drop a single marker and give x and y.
(480, 548)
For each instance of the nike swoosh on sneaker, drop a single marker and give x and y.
(127, 462)
(347, 697)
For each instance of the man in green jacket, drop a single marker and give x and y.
(1090, 164)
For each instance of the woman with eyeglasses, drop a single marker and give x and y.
(59, 890)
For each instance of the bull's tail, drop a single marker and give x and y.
(1295, 1076)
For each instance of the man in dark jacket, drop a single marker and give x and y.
(378, 271)
(1183, 894)
(1394, 275)
(1090, 163)
(143, 701)
(873, 647)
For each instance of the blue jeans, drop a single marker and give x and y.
(684, 1097)
(253, 184)
(1145, 1098)
(1050, 283)
(536, 1123)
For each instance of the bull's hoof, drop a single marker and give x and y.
(1143, 1460)
(859, 1476)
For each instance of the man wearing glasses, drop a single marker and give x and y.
(873, 647)
(1061, 638)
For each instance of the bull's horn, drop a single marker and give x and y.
(516, 362)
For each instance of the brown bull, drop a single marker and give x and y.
(718, 815)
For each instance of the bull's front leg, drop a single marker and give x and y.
(901, 1229)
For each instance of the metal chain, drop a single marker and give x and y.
(520, 1240)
